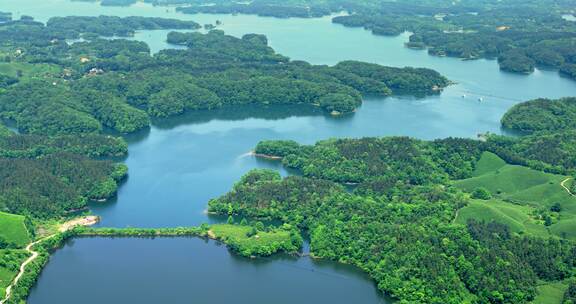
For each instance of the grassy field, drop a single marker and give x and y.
(489, 162)
(550, 293)
(263, 243)
(10, 261)
(13, 229)
(28, 70)
(518, 192)
(519, 218)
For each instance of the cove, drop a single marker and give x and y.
(181, 163)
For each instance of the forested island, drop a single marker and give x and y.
(117, 84)
(522, 35)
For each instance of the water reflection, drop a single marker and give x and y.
(238, 113)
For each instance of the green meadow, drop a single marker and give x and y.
(550, 293)
(248, 242)
(522, 197)
(13, 229)
(28, 70)
(517, 217)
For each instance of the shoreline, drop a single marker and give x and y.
(84, 221)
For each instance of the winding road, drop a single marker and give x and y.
(563, 184)
(23, 267)
(85, 221)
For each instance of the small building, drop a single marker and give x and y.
(95, 71)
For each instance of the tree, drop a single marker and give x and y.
(252, 232)
(481, 193)
(547, 220)
(260, 226)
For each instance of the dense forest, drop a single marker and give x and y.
(71, 87)
(54, 184)
(420, 162)
(403, 236)
(399, 221)
(118, 85)
(46, 177)
(542, 115)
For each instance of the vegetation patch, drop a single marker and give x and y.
(13, 231)
(519, 218)
(542, 115)
(489, 162)
(250, 241)
(551, 293)
(528, 200)
(27, 71)
(10, 261)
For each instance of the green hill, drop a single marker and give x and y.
(517, 217)
(523, 197)
(510, 180)
(489, 162)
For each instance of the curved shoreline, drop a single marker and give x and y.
(84, 221)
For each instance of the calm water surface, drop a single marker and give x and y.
(179, 164)
(176, 270)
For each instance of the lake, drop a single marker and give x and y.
(181, 163)
(182, 270)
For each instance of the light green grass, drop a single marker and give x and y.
(239, 233)
(565, 228)
(517, 217)
(546, 195)
(519, 185)
(13, 229)
(263, 243)
(509, 180)
(550, 293)
(489, 162)
(29, 70)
